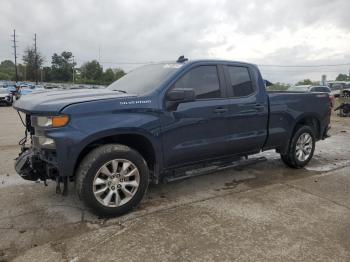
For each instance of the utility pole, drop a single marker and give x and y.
(36, 61)
(15, 52)
(324, 80)
(73, 70)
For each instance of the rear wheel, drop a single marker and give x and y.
(112, 179)
(301, 148)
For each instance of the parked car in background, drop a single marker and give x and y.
(6, 96)
(28, 89)
(11, 87)
(337, 86)
(310, 88)
(314, 89)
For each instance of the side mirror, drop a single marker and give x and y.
(180, 95)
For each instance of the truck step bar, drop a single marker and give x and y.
(213, 168)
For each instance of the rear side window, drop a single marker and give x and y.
(241, 82)
(204, 80)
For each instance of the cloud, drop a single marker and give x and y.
(263, 32)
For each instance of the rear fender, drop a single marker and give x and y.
(303, 119)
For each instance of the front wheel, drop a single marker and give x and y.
(301, 148)
(112, 179)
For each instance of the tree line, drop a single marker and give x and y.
(62, 70)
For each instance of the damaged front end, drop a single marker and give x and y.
(37, 159)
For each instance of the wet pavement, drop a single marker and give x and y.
(260, 212)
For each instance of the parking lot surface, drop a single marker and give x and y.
(262, 212)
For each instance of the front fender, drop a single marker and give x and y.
(86, 129)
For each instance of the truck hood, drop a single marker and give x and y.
(52, 102)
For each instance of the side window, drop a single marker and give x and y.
(204, 80)
(241, 83)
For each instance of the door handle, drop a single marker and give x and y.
(220, 110)
(259, 106)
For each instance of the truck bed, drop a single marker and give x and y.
(287, 107)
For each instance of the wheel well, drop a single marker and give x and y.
(313, 122)
(134, 141)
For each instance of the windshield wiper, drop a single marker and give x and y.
(121, 91)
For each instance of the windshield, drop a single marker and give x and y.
(299, 88)
(144, 79)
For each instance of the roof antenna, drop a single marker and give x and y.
(181, 59)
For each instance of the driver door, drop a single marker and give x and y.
(197, 130)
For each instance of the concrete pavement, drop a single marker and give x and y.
(297, 220)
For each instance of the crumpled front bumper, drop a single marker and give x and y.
(23, 165)
(29, 166)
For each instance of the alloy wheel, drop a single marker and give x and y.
(116, 182)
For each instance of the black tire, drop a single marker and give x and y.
(290, 158)
(91, 165)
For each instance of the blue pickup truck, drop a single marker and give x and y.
(161, 121)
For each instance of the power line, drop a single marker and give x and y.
(262, 65)
(330, 65)
(296, 70)
(126, 63)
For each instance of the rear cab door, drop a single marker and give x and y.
(248, 108)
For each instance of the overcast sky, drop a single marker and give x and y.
(277, 32)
